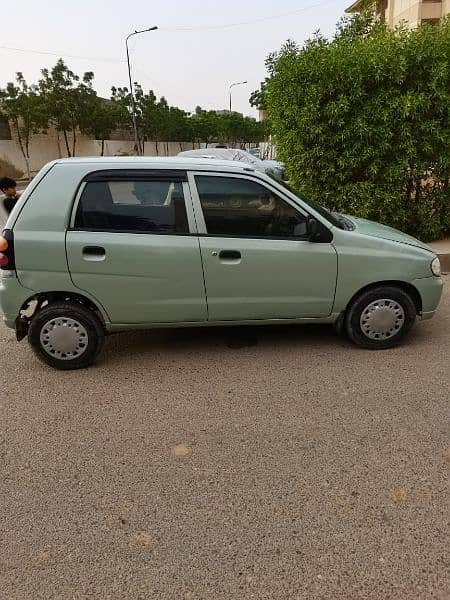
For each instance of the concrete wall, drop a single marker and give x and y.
(403, 10)
(410, 12)
(413, 12)
(44, 148)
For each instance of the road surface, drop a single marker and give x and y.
(272, 463)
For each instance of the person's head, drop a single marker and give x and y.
(8, 186)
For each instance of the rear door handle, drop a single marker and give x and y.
(229, 255)
(93, 253)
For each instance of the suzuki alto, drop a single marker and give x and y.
(100, 245)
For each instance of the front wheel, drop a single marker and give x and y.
(66, 335)
(380, 318)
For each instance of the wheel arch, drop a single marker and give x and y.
(412, 291)
(40, 299)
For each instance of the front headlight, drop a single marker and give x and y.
(436, 266)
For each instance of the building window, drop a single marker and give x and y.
(382, 6)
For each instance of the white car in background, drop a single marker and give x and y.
(238, 155)
(276, 166)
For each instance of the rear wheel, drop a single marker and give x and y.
(66, 335)
(380, 318)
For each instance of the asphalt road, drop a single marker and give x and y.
(222, 464)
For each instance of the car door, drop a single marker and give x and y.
(133, 246)
(257, 260)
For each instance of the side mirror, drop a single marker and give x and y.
(313, 229)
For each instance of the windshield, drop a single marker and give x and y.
(323, 212)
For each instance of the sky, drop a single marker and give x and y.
(199, 49)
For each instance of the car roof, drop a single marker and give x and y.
(171, 162)
(226, 153)
(211, 150)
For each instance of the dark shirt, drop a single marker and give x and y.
(9, 203)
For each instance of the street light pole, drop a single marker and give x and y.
(133, 104)
(231, 86)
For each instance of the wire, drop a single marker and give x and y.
(250, 22)
(61, 54)
(178, 28)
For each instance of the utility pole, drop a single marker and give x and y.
(231, 86)
(137, 149)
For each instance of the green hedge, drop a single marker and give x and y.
(362, 122)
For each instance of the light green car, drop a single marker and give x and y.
(100, 245)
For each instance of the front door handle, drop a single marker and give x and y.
(94, 253)
(229, 255)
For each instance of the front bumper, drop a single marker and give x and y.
(430, 290)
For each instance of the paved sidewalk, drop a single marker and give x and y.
(442, 249)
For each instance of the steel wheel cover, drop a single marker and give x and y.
(64, 338)
(382, 319)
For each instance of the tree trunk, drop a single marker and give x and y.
(156, 147)
(417, 199)
(27, 166)
(74, 141)
(66, 141)
(103, 147)
(58, 143)
(27, 157)
(23, 149)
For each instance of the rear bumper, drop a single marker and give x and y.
(12, 298)
(430, 290)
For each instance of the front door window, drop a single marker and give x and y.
(236, 207)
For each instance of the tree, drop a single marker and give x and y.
(70, 104)
(104, 117)
(205, 127)
(121, 98)
(362, 122)
(153, 116)
(258, 97)
(21, 104)
(67, 100)
(156, 120)
(240, 130)
(178, 127)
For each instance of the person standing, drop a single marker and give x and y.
(9, 187)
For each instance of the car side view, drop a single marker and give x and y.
(100, 245)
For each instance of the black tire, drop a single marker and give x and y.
(90, 335)
(366, 338)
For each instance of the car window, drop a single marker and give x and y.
(150, 206)
(241, 207)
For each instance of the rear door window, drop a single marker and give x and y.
(133, 206)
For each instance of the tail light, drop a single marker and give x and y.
(7, 262)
